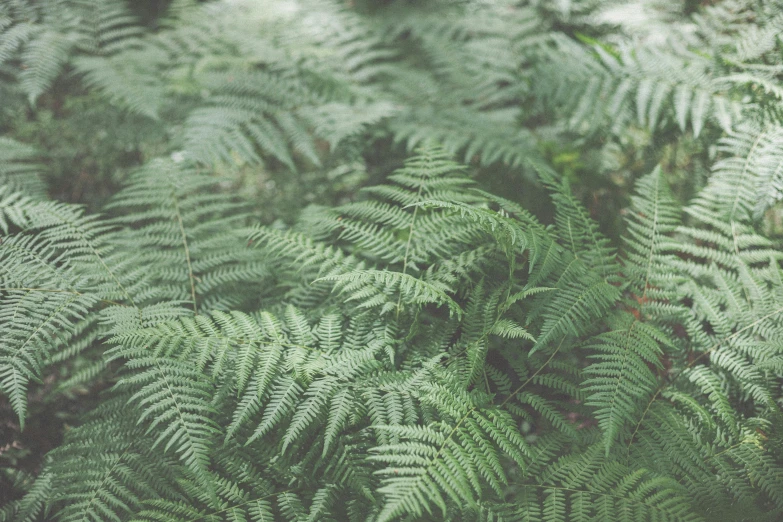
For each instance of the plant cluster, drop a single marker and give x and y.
(264, 313)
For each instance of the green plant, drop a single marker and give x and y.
(400, 343)
(420, 348)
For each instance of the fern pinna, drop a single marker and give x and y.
(429, 352)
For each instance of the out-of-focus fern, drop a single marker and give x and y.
(46, 35)
(749, 179)
(20, 168)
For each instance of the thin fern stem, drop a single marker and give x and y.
(408, 247)
(191, 277)
(732, 447)
(519, 389)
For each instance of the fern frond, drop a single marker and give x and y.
(446, 460)
(188, 235)
(378, 288)
(630, 82)
(572, 307)
(118, 77)
(124, 475)
(622, 382)
(579, 233)
(45, 295)
(57, 31)
(748, 180)
(175, 400)
(46, 56)
(583, 487)
(655, 215)
(19, 168)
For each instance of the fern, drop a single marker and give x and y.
(437, 462)
(51, 33)
(421, 348)
(19, 168)
(623, 375)
(419, 390)
(747, 181)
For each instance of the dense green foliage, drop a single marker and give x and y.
(255, 263)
